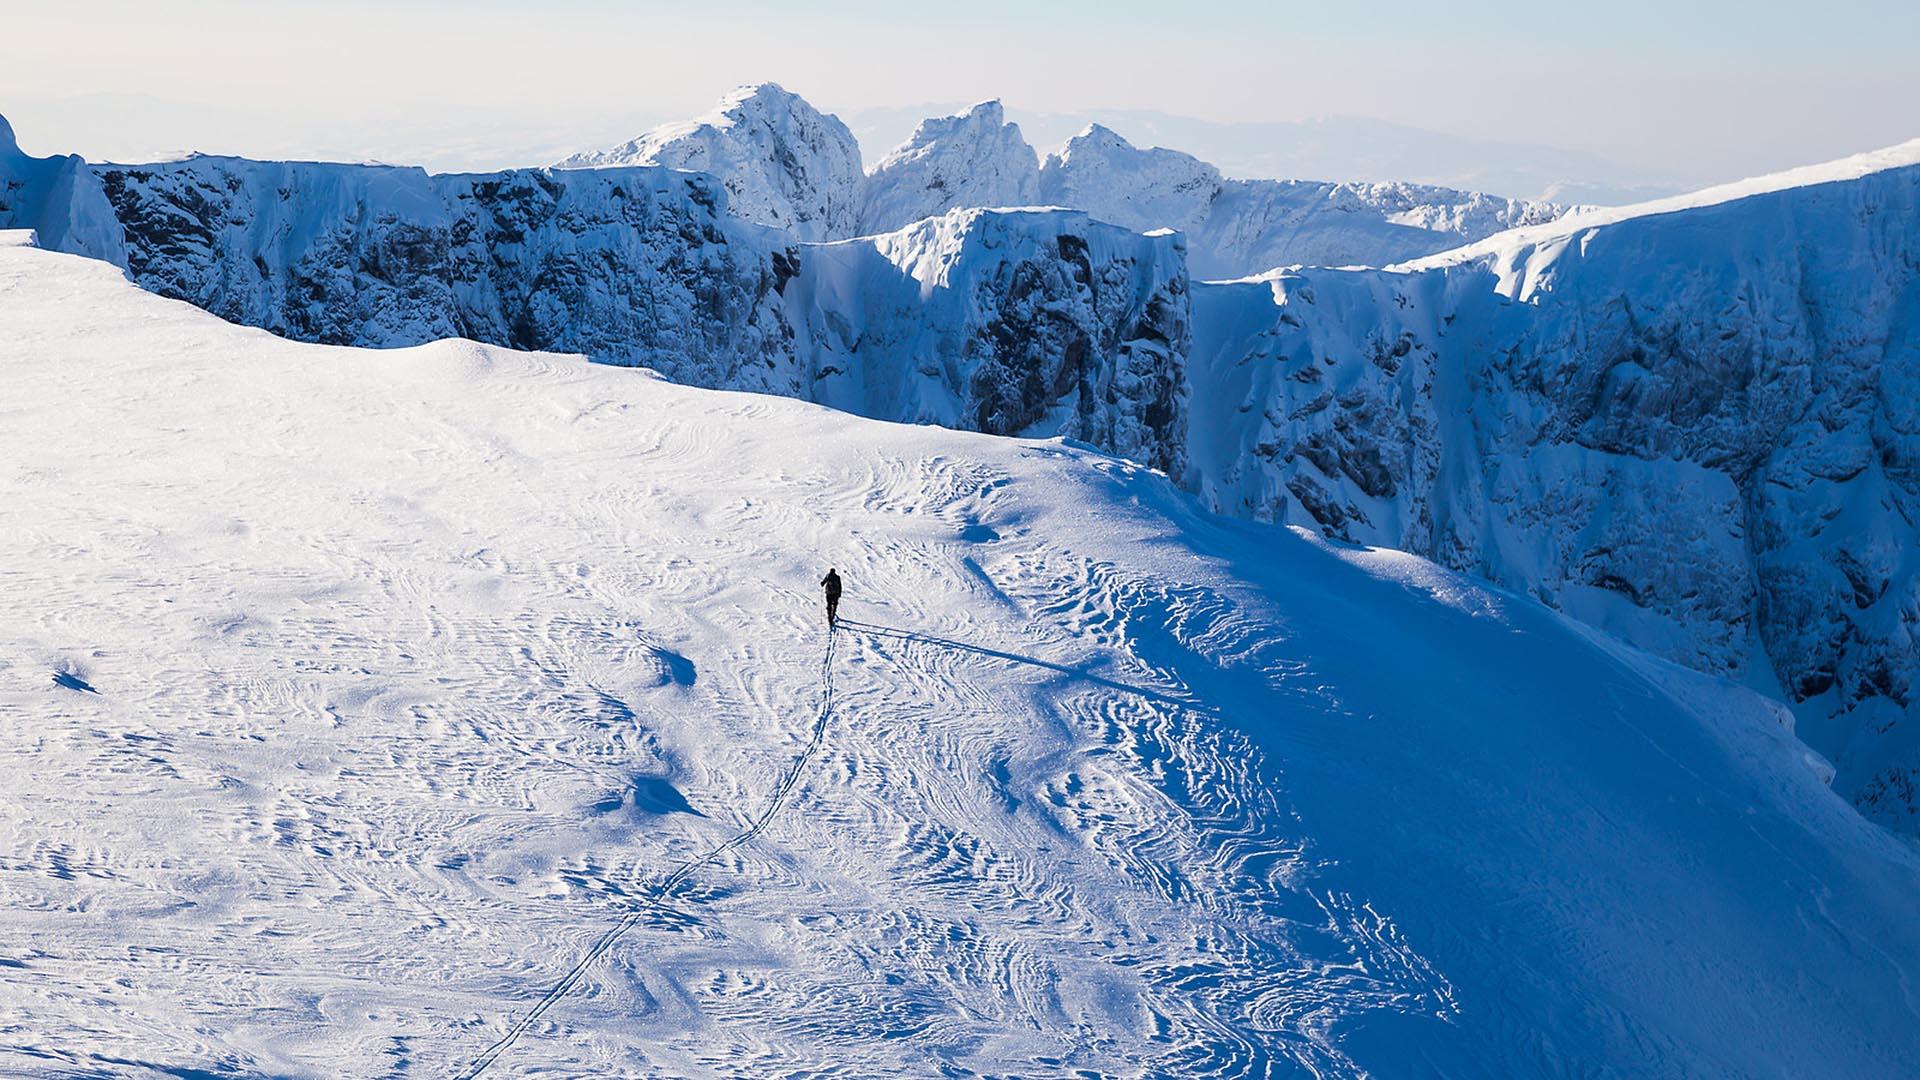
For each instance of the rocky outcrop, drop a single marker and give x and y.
(783, 162)
(975, 159)
(1695, 429)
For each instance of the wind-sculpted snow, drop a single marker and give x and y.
(975, 159)
(1006, 322)
(1693, 427)
(351, 698)
(783, 162)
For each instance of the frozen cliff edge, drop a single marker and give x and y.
(1694, 424)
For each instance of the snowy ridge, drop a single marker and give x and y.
(783, 162)
(1508, 244)
(1723, 377)
(414, 672)
(1156, 188)
(786, 164)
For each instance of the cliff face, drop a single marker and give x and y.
(1011, 322)
(1697, 430)
(783, 162)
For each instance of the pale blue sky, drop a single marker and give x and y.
(1702, 90)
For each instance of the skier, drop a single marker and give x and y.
(832, 584)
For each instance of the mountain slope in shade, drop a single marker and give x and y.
(350, 697)
(1240, 227)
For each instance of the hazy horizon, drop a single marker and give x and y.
(1648, 96)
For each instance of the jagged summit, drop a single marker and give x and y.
(786, 164)
(783, 162)
(1141, 189)
(975, 158)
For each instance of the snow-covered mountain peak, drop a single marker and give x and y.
(974, 158)
(783, 162)
(1101, 171)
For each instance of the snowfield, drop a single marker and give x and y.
(349, 699)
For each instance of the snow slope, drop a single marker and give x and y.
(784, 163)
(1560, 409)
(1691, 424)
(347, 699)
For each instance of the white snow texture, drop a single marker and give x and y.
(351, 698)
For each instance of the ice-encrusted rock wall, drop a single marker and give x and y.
(1699, 430)
(631, 266)
(1006, 321)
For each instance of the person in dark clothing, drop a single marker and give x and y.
(832, 584)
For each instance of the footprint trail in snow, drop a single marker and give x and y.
(664, 893)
